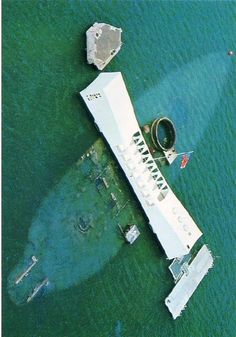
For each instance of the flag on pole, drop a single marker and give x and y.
(184, 162)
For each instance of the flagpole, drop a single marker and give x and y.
(178, 154)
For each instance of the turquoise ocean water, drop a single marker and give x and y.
(174, 61)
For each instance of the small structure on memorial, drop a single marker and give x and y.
(179, 266)
(163, 136)
(103, 43)
(131, 233)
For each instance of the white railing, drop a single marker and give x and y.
(143, 168)
(149, 161)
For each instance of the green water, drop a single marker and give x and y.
(174, 62)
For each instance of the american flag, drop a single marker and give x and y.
(184, 162)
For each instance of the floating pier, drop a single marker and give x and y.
(26, 272)
(184, 289)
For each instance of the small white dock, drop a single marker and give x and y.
(184, 289)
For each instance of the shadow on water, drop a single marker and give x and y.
(188, 97)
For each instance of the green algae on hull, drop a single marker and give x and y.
(78, 219)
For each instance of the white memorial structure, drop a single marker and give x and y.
(109, 103)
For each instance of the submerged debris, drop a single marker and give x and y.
(26, 272)
(37, 289)
(131, 233)
(105, 182)
(103, 43)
